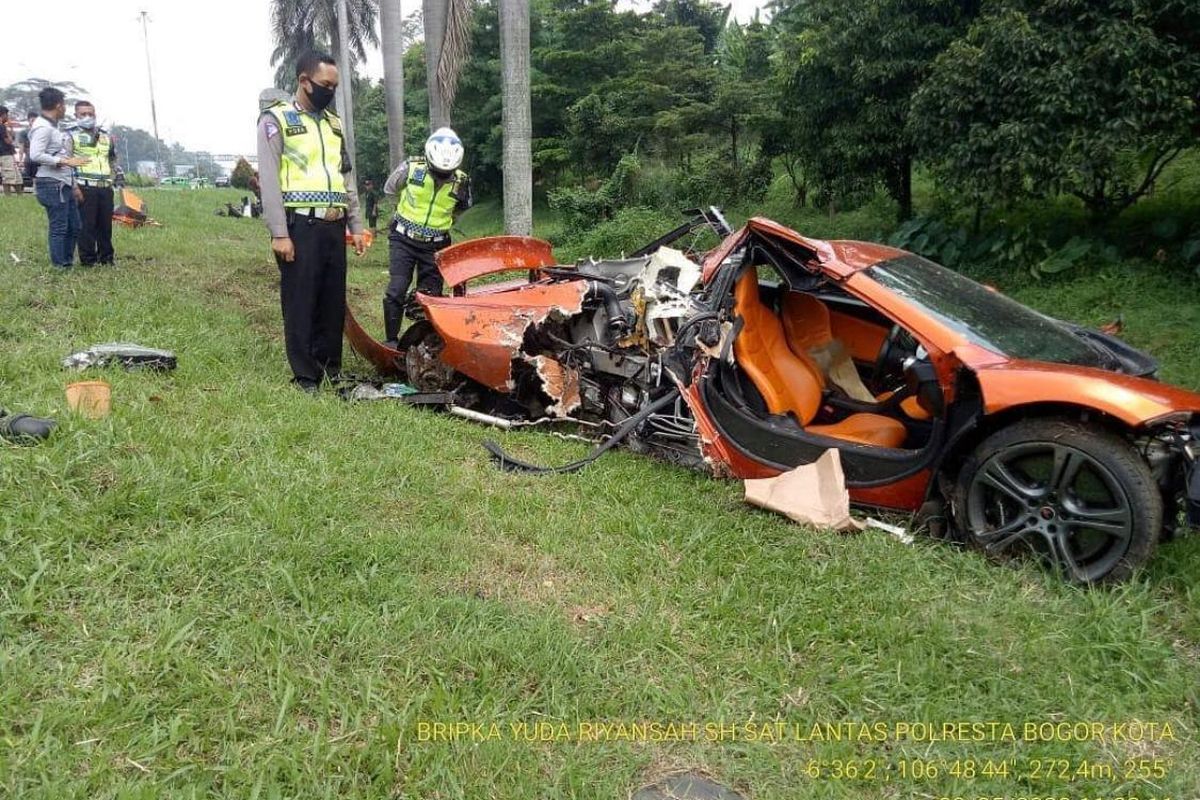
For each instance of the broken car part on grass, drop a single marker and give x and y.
(132, 357)
(751, 357)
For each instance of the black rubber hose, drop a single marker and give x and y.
(510, 464)
(612, 306)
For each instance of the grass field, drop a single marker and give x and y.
(230, 589)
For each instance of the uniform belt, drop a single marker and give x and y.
(419, 233)
(322, 199)
(87, 182)
(329, 214)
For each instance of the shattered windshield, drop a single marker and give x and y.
(986, 318)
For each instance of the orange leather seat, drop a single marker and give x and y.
(790, 383)
(806, 322)
(807, 325)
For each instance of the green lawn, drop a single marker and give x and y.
(230, 589)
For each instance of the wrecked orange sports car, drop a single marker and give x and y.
(995, 424)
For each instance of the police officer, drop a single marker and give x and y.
(432, 191)
(308, 202)
(94, 180)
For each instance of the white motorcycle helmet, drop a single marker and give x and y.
(444, 150)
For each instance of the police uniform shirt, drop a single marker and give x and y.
(395, 183)
(270, 151)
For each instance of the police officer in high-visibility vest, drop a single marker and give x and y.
(308, 203)
(94, 180)
(432, 192)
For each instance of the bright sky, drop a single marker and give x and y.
(210, 61)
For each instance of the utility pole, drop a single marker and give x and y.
(158, 166)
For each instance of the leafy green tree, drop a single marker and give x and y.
(300, 25)
(1091, 98)
(372, 157)
(744, 93)
(584, 44)
(242, 173)
(662, 93)
(852, 71)
(708, 18)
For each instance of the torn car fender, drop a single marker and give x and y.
(482, 335)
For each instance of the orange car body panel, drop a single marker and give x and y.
(476, 258)
(1134, 401)
(906, 494)
(386, 360)
(483, 332)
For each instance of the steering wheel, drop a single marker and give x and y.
(890, 359)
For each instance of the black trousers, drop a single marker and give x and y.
(312, 293)
(405, 256)
(95, 232)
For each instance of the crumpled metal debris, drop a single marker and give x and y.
(397, 392)
(661, 297)
(130, 356)
(667, 284)
(559, 382)
(363, 391)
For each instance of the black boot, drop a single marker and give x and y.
(393, 319)
(23, 428)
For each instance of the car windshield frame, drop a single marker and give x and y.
(982, 315)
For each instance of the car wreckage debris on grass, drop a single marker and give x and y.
(991, 423)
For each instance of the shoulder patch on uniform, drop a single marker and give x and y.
(293, 122)
(270, 128)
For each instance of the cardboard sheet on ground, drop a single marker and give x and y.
(812, 494)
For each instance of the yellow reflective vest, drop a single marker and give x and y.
(310, 172)
(95, 146)
(425, 206)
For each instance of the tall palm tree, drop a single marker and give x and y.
(447, 45)
(392, 30)
(514, 72)
(345, 87)
(434, 13)
(299, 25)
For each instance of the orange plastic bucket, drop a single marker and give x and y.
(92, 399)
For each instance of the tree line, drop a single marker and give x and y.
(1001, 100)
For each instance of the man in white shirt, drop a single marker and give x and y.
(54, 152)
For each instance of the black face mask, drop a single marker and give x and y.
(319, 96)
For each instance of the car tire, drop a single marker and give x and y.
(1073, 492)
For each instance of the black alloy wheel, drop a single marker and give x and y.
(1076, 494)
